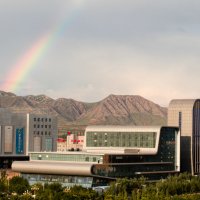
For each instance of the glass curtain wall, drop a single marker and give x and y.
(196, 137)
(121, 139)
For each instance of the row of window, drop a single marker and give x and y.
(41, 126)
(121, 139)
(42, 132)
(42, 119)
(56, 178)
(139, 144)
(66, 157)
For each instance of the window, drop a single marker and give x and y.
(49, 119)
(180, 119)
(34, 119)
(121, 139)
(87, 159)
(38, 119)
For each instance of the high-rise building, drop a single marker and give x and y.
(42, 131)
(21, 133)
(185, 113)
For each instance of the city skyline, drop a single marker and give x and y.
(92, 49)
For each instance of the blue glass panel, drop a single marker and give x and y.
(19, 140)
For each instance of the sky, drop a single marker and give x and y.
(95, 48)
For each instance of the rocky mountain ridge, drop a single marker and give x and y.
(114, 109)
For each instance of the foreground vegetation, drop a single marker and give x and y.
(181, 187)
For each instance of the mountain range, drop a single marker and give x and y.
(114, 109)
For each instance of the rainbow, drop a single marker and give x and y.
(22, 68)
(20, 71)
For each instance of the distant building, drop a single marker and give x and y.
(71, 143)
(109, 152)
(21, 133)
(75, 142)
(61, 145)
(185, 113)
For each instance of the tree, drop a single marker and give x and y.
(82, 193)
(18, 184)
(3, 181)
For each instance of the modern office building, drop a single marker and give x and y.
(42, 133)
(12, 138)
(109, 152)
(21, 133)
(185, 113)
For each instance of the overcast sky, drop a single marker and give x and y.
(127, 47)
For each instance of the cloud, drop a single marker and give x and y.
(149, 48)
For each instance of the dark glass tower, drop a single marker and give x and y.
(185, 113)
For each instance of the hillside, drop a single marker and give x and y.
(114, 109)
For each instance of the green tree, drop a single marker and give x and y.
(50, 192)
(83, 193)
(18, 184)
(3, 181)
